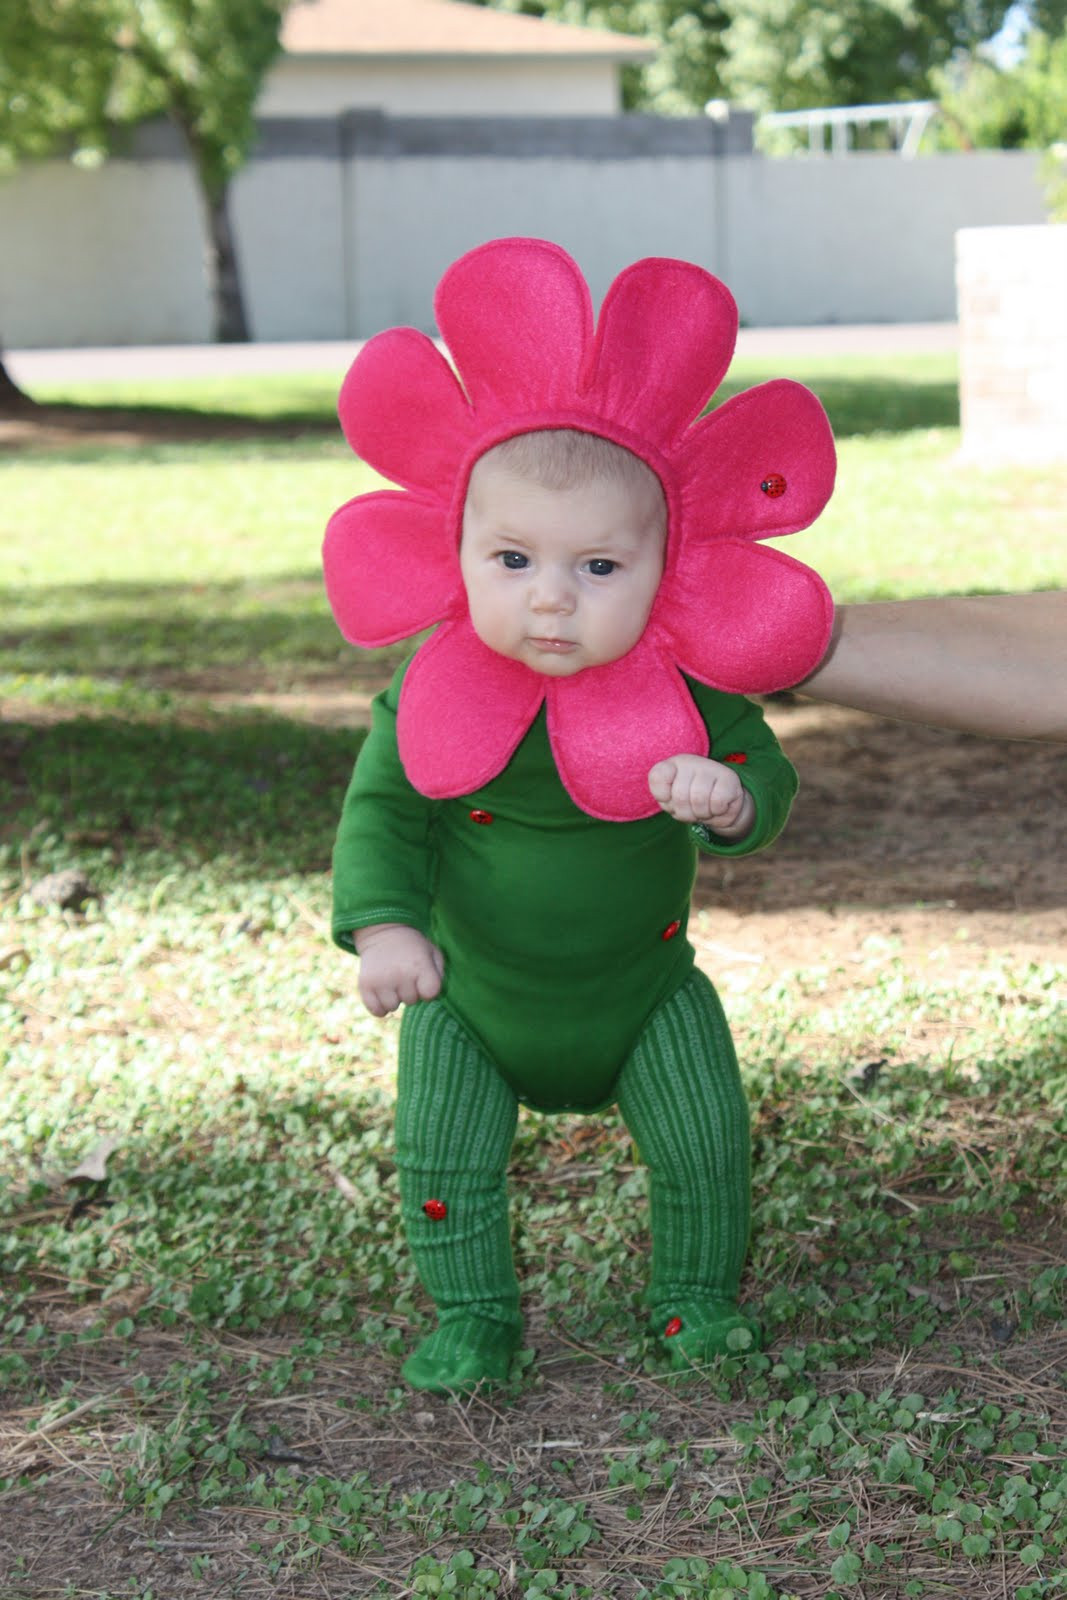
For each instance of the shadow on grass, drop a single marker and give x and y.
(175, 422)
(160, 631)
(178, 1182)
(133, 630)
(262, 792)
(888, 815)
(871, 402)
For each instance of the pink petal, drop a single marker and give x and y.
(778, 429)
(463, 711)
(609, 726)
(747, 619)
(404, 413)
(517, 318)
(665, 337)
(390, 567)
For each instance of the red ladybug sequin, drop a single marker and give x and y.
(737, 758)
(670, 930)
(436, 1210)
(673, 1327)
(773, 485)
(484, 817)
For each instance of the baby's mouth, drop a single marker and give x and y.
(553, 646)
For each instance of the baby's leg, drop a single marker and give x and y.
(681, 1097)
(455, 1122)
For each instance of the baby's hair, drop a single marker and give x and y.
(566, 458)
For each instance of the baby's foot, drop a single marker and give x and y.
(462, 1353)
(696, 1331)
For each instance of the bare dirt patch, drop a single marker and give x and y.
(935, 844)
(556, 1444)
(926, 840)
(920, 837)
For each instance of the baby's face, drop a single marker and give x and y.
(560, 579)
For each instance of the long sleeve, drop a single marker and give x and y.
(383, 856)
(741, 737)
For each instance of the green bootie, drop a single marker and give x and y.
(696, 1331)
(461, 1353)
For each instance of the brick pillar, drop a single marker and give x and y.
(1011, 288)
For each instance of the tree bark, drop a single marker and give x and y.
(224, 278)
(229, 321)
(12, 398)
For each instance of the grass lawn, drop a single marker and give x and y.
(204, 1296)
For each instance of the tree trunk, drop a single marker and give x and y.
(229, 322)
(224, 278)
(12, 398)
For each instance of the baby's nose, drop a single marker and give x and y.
(552, 592)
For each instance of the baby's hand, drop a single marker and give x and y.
(696, 789)
(397, 966)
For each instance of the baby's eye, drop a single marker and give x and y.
(601, 567)
(514, 560)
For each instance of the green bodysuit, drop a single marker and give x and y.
(569, 984)
(549, 919)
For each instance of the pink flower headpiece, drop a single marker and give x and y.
(517, 318)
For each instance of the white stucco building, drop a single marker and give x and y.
(443, 58)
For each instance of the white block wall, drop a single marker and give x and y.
(1013, 343)
(336, 249)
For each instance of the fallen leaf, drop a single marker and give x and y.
(344, 1185)
(93, 1167)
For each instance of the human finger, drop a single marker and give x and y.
(661, 780)
(379, 999)
(428, 981)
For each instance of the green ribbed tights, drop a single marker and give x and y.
(681, 1098)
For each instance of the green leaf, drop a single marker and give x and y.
(847, 1569)
(899, 1462)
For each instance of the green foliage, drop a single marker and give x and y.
(52, 90)
(785, 56)
(201, 62)
(1017, 107)
(1020, 107)
(780, 55)
(689, 33)
(72, 70)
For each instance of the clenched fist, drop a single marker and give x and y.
(398, 965)
(696, 789)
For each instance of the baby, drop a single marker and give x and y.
(519, 840)
(542, 953)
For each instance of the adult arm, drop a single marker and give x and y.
(986, 664)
